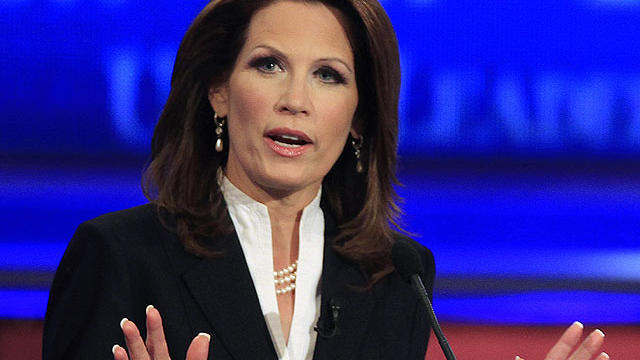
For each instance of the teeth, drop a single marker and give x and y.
(290, 137)
(286, 145)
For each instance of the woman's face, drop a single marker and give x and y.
(290, 99)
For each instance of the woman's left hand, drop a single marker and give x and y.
(155, 346)
(563, 349)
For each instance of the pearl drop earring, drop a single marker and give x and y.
(219, 130)
(356, 143)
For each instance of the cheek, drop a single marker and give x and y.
(337, 123)
(342, 111)
(248, 104)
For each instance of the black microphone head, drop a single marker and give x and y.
(406, 259)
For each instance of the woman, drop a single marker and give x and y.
(271, 180)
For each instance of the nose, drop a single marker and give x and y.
(294, 98)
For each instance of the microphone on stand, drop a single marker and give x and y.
(407, 262)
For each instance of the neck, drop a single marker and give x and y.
(285, 212)
(285, 234)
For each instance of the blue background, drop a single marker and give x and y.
(519, 144)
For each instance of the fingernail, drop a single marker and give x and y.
(124, 320)
(518, 358)
(205, 335)
(113, 349)
(598, 331)
(605, 355)
(578, 323)
(149, 307)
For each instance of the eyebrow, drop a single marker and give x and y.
(280, 54)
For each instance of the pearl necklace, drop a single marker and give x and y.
(286, 276)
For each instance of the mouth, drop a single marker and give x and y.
(288, 143)
(288, 138)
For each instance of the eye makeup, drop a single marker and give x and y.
(268, 60)
(335, 77)
(266, 64)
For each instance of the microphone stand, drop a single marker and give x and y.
(416, 281)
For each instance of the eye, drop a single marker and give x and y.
(329, 75)
(266, 64)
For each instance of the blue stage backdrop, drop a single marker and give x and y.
(519, 138)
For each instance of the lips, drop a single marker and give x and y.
(288, 136)
(287, 142)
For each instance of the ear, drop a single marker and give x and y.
(219, 100)
(355, 133)
(357, 128)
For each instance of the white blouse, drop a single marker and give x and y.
(252, 224)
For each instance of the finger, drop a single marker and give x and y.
(589, 347)
(156, 343)
(566, 343)
(119, 353)
(199, 348)
(137, 349)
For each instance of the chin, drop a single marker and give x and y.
(290, 178)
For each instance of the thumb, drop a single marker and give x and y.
(199, 348)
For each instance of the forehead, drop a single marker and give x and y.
(305, 27)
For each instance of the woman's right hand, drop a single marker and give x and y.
(155, 346)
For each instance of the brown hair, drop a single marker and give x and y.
(181, 176)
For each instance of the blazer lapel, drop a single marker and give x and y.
(224, 289)
(343, 282)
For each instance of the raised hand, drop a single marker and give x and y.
(155, 346)
(563, 349)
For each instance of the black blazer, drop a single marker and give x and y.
(118, 263)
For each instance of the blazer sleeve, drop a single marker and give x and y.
(89, 296)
